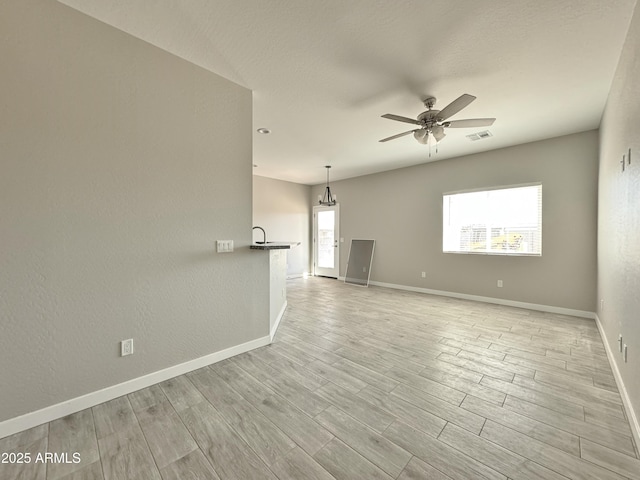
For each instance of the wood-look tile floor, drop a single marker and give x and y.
(367, 384)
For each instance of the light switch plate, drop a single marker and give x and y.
(224, 246)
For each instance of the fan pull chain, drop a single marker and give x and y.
(429, 143)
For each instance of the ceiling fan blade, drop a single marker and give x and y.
(393, 137)
(391, 116)
(471, 122)
(455, 106)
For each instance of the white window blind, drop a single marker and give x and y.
(503, 221)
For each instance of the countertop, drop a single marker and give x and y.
(273, 245)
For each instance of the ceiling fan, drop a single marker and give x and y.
(433, 122)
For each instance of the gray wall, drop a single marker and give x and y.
(402, 211)
(282, 209)
(619, 216)
(120, 166)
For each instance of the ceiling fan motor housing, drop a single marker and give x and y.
(428, 118)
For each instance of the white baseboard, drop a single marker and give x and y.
(277, 324)
(633, 418)
(498, 301)
(47, 414)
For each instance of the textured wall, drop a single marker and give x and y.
(619, 215)
(120, 166)
(282, 209)
(402, 211)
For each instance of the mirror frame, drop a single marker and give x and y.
(362, 282)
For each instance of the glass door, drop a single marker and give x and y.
(326, 241)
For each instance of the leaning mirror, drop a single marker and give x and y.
(359, 263)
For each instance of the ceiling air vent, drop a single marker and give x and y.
(480, 135)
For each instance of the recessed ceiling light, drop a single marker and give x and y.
(264, 131)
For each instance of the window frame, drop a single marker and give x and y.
(502, 253)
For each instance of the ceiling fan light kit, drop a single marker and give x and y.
(438, 133)
(421, 135)
(433, 122)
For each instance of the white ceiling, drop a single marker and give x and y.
(322, 72)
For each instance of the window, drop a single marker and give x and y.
(505, 221)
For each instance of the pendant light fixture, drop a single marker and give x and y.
(328, 199)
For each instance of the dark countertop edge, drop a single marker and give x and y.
(274, 246)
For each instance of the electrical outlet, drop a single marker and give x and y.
(126, 347)
(424, 274)
(500, 283)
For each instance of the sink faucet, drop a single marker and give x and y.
(264, 235)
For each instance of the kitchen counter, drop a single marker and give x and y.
(274, 245)
(277, 259)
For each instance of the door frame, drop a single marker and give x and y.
(336, 269)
